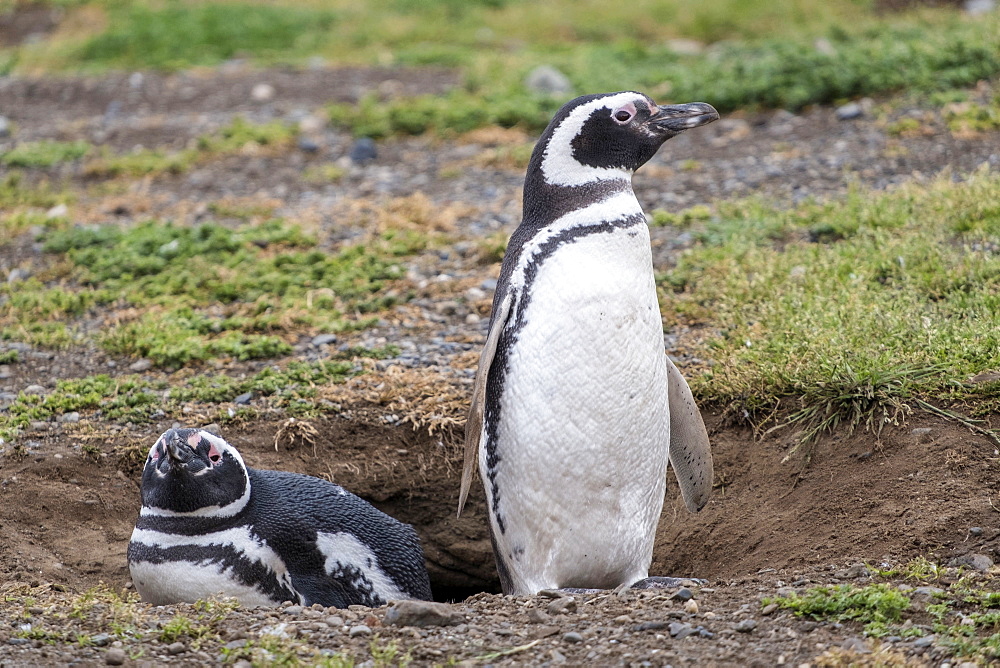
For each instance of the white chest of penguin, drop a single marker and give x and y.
(584, 438)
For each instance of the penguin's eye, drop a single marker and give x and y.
(623, 116)
(215, 457)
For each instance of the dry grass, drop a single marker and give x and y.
(428, 398)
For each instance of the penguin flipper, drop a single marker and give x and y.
(690, 452)
(474, 424)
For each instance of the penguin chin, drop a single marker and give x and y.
(181, 490)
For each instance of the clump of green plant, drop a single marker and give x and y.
(972, 117)
(682, 218)
(44, 153)
(846, 313)
(9, 357)
(14, 192)
(875, 606)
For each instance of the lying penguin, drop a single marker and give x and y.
(576, 410)
(210, 525)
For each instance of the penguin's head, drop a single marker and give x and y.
(193, 472)
(609, 136)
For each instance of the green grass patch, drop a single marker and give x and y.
(850, 312)
(751, 54)
(973, 117)
(15, 192)
(876, 606)
(178, 295)
(787, 72)
(291, 387)
(240, 135)
(44, 153)
(180, 35)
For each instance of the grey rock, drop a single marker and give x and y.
(34, 389)
(857, 571)
(849, 111)
(977, 562)
(561, 606)
(857, 645)
(141, 365)
(923, 434)
(244, 398)
(69, 418)
(323, 339)
(308, 145)
(176, 648)
(683, 594)
(925, 641)
(114, 656)
(977, 7)
(262, 92)
(490, 285)
(363, 151)
(293, 610)
(18, 274)
(680, 630)
(423, 614)
(58, 211)
(359, 630)
(18, 641)
(927, 591)
(976, 531)
(213, 428)
(573, 637)
(5, 372)
(547, 80)
(4, 127)
(746, 625)
(651, 626)
(769, 609)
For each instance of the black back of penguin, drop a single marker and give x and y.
(210, 524)
(333, 541)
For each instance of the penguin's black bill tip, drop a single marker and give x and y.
(680, 117)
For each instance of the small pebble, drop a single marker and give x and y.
(141, 365)
(114, 656)
(359, 630)
(176, 648)
(682, 594)
(573, 637)
(262, 92)
(746, 625)
(243, 399)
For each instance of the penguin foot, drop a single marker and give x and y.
(666, 583)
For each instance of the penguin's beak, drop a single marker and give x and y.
(680, 117)
(178, 452)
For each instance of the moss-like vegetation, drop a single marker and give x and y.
(875, 606)
(44, 153)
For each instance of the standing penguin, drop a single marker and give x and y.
(211, 525)
(576, 409)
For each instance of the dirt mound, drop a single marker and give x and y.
(67, 516)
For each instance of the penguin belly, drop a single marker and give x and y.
(583, 430)
(169, 568)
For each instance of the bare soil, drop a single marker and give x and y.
(66, 511)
